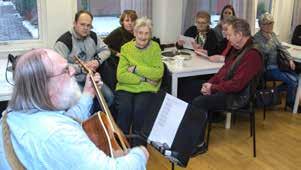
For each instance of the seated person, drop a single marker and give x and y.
(139, 75)
(42, 125)
(227, 11)
(115, 40)
(215, 92)
(268, 43)
(82, 42)
(296, 39)
(123, 34)
(205, 40)
(226, 44)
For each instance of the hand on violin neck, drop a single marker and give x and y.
(92, 65)
(89, 88)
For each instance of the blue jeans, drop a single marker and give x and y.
(290, 79)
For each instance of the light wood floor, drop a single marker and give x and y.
(278, 145)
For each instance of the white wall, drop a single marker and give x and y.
(60, 15)
(167, 19)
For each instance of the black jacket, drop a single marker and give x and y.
(211, 43)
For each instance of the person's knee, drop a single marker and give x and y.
(198, 101)
(108, 94)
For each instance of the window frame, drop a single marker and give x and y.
(23, 45)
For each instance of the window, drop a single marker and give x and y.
(19, 20)
(263, 6)
(106, 13)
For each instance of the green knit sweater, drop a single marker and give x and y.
(148, 64)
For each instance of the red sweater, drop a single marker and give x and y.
(250, 65)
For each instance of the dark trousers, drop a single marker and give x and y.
(209, 104)
(216, 101)
(130, 108)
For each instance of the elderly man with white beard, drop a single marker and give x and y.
(40, 125)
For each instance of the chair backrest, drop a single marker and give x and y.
(296, 39)
(108, 71)
(166, 80)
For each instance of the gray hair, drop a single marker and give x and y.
(265, 18)
(142, 22)
(239, 25)
(31, 83)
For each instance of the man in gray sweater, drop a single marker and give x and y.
(82, 42)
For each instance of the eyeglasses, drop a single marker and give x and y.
(268, 23)
(66, 70)
(201, 23)
(88, 26)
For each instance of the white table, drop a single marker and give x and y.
(295, 51)
(5, 88)
(193, 67)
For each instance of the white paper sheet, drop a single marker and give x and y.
(188, 41)
(168, 120)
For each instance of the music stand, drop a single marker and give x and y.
(187, 135)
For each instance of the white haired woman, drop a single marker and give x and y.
(139, 75)
(269, 44)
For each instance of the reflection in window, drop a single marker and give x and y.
(263, 6)
(18, 20)
(106, 13)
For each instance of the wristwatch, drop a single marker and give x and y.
(143, 79)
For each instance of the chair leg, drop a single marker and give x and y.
(264, 110)
(209, 123)
(253, 133)
(251, 124)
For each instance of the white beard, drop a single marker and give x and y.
(70, 94)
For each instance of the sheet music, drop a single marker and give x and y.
(168, 120)
(188, 41)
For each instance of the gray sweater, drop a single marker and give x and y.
(85, 49)
(269, 48)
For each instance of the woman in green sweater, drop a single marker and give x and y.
(139, 75)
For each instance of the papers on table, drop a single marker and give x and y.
(168, 120)
(187, 41)
(202, 53)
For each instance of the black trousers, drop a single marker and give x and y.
(131, 112)
(209, 103)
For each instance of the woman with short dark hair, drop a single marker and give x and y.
(123, 34)
(205, 39)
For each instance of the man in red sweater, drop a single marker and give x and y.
(215, 92)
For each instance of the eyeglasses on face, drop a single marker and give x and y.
(267, 23)
(66, 70)
(88, 26)
(201, 23)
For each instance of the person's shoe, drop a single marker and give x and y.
(199, 150)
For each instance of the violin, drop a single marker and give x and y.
(101, 127)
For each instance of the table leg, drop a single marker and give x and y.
(228, 120)
(297, 96)
(174, 85)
